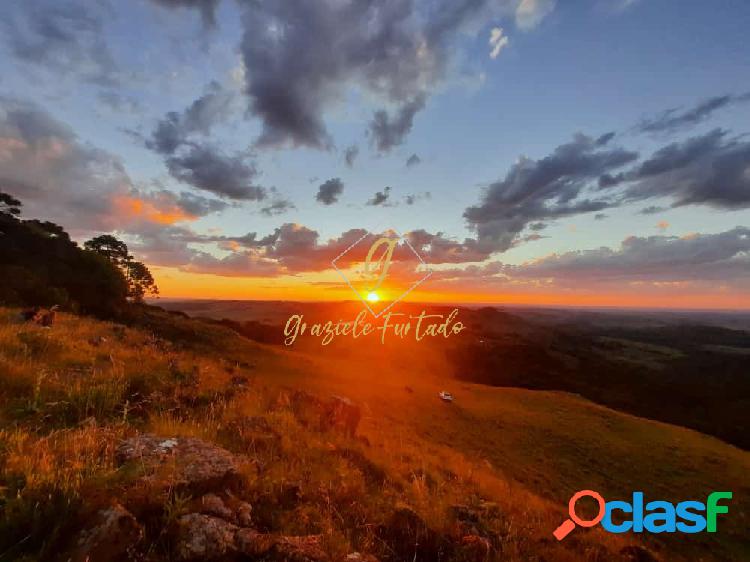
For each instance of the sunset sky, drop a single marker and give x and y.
(583, 152)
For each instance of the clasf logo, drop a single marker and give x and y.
(652, 517)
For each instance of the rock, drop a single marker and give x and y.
(274, 548)
(252, 543)
(298, 549)
(342, 414)
(183, 462)
(114, 533)
(212, 504)
(475, 548)
(244, 514)
(202, 537)
(634, 553)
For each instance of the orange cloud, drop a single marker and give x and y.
(159, 210)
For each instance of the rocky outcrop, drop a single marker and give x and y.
(111, 536)
(204, 537)
(181, 462)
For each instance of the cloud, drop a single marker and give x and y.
(662, 225)
(207, 8)
(200, 206)
(206, 168)
(174, 130)
(306, 56)
(330, 191)
(651, 210)
(84, 188)
(555, 186)
(119, 103)
(701, 257)
(278, 206)
(530, 13)
(66, 38)
(673, 119)
(600, 216)
(413, 198)
(700, 261)
(380, 197)
(437, 248)
(413, 160)
(498, 41)
(56, 176)
(350, 155)
(709, 169)
(387, 132)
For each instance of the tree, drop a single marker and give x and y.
(139, 278)
(110, 247)
(9, 205)
(41, 266)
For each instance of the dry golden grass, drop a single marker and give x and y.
(68, 395)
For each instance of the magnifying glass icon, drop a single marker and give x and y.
(569, 524)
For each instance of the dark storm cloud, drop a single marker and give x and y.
(674, 119)
(387, 132)
(175, 128)
(538, 190)
(350, 155)
(380, 197)
(207, 8)
(66, 38)
(710, 169)
(206, 168)
(413, 160)
(330, 191)
(303, 56)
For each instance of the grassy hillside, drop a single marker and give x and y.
(498, 464)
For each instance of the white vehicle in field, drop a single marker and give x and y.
(445, 396)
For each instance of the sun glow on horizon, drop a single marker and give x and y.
(372, 297)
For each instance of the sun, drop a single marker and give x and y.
(373, 297)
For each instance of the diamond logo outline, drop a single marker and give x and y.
(404, 294)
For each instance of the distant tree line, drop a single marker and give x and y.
(41, 266)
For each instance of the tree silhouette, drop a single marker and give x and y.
(9, 205)
(140, 281)
(41, 266)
